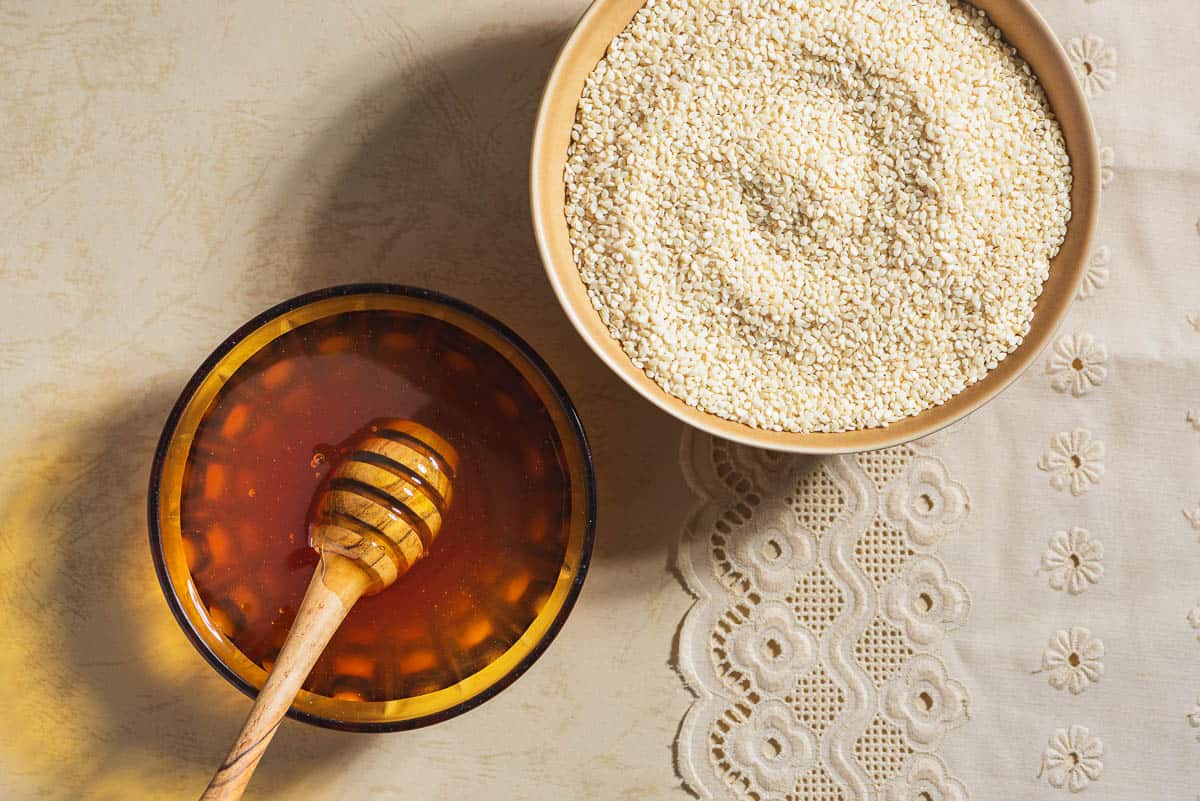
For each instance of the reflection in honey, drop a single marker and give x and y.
(269, 438)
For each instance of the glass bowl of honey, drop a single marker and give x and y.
(258, 427)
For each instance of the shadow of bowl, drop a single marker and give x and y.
(431, 189)
(107, 695)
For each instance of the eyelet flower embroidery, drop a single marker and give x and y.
(1193, 518)
(926, 502)
(1193, 618)
(1077, 364)
(761, 464)
(1108, 165)
(924, 778)
(1094, 64)
(1074, 560)
(1074, 460)
(773, 747)
(774, 553)
(925, 602)
(1096, 274)
(1072, 660)
(773, 648)
(1073, 759)
(924, 700)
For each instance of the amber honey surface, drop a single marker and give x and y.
(270, 437)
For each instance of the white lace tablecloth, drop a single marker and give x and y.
(1011, 610)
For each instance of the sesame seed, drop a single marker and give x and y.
(815, 216)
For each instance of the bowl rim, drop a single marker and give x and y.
(574, 429)
(1079, 134)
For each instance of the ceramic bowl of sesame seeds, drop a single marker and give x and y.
(814, 227)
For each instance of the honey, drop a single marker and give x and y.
(273, 432)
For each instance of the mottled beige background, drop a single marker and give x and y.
(169, 169)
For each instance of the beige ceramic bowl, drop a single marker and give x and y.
(1036, 43)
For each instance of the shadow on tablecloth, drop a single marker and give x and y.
(433, 191)
(90, 638)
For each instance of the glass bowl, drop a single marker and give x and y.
(167, 540)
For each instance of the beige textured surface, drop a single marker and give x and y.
(168, 170)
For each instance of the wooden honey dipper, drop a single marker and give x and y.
(377, 513)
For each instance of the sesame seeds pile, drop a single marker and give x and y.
(816, 215)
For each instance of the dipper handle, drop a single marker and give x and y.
(335, 586)
(377, 513)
